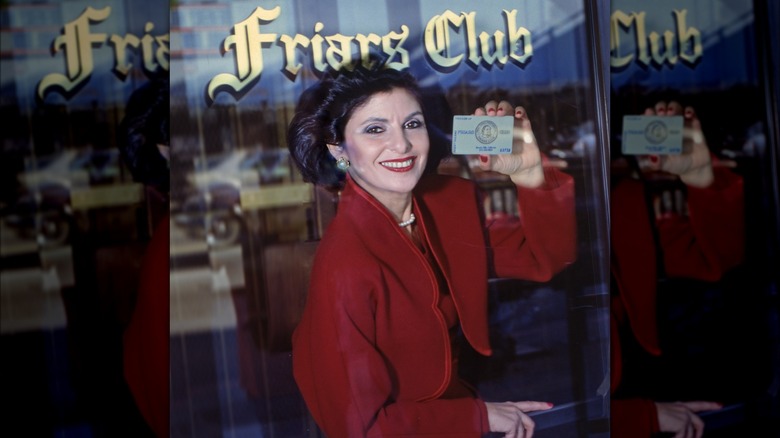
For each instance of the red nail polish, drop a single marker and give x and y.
(483, 158)
(550, 404)
(491, 110)
(654, 158)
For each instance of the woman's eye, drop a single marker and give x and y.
(412, 124)
(374, 130)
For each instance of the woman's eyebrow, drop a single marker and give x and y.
(374, 119)
(416, 113)
(384, 120)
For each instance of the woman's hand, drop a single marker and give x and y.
(694, 164)
(524, 164)
(511, 419)
(680, 418)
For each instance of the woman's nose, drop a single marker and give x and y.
(400, 142)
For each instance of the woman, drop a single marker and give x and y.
(403, 266)
(144, 138)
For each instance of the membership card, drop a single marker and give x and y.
(482, 135)
(652, 135)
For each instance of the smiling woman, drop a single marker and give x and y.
(398, 277)
(386, 146)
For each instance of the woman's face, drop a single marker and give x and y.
(386, 143)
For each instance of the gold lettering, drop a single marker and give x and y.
(153, 58)
(335, 51)
(516, 36)
(682, 44)
(689, 39)
(338, 53)
(660, 53)
(121, 65)
(364, 45)
(499, 52)
(291, 67)
(76, 41)
(483, 49)
(619, 20)
(640, 40)
(437, 39)
(248, 43)
(316, 47)
(398, 49)
(148, 41)
(163, 52)
(471, 38)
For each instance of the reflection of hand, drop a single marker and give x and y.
(694, 164)
(524, 164)
(680, 418)
(511, 419)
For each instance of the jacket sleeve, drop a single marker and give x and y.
(146, 341)
(711, 239)
(344, 380)
(542, 241)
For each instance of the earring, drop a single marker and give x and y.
(342, 164)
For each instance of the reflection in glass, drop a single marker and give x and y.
(690, 231)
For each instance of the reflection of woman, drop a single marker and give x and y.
(144, 144)
(701, 243)
(404, 264)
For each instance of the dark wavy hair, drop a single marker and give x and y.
(144, 126)
(324, 109)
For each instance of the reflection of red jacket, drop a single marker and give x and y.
(371, 354)
(146, 340)
(703, 246)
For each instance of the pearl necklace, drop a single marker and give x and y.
(407, 222)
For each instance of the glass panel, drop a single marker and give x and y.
(245, 225)
(702, 238)
(74, 222)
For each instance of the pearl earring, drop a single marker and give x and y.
(342, 164)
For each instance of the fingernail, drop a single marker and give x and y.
(483, 158)
(550, 404)
(491, 110)
(654, 158)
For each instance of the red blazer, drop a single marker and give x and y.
(146, 339)
(371, 354)
(702, 246)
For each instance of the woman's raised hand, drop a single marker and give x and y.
(694, 164)
(524, 164)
